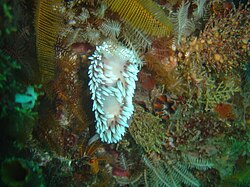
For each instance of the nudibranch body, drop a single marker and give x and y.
(113, 73)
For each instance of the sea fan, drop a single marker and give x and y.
(142, 14)
(113, 72)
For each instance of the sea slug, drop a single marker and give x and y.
(113, 73)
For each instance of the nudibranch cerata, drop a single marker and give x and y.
(113, 73)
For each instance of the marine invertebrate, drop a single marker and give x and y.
(200, 10)
(145, 15)
(92, 35)
(93, 158)
(47, 25)
(147, 80)
(113, 72)
(194, 131)
(160, 58)
(165, 106)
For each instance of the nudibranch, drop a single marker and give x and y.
(113, 73)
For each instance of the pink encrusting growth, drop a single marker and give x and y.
(113, 72)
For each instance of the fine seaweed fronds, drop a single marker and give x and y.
(183, 26)
(67, 91)
(193, 132)
(47, 25)
(155, 175)
(135, 39)
(111, 28)
(147, 130)
(92, 35)
(145, 15)
(200, 10)
(218, 92)
(193, 162)
(173, 172)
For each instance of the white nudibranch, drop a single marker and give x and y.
(113, 72)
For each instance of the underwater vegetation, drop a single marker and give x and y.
(7, 25)
(18, 103)
(147, 131)
(20, 172)
(174, 172)
(124, 93)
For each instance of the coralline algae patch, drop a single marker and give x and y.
(112, 72)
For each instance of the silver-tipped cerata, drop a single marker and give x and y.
(112, 72)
